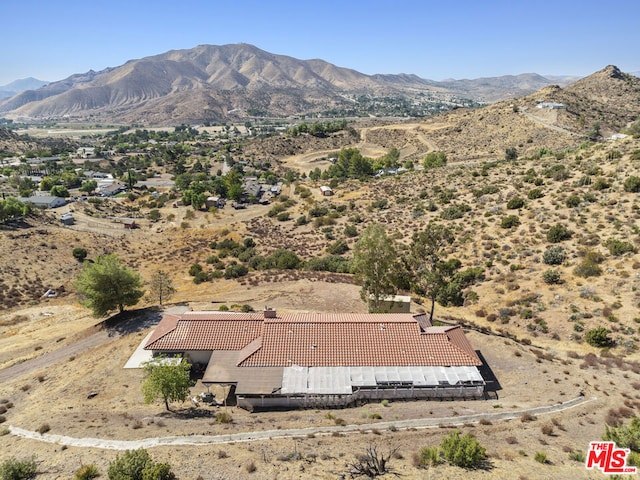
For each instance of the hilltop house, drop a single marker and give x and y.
(44, 201)
(272, 360)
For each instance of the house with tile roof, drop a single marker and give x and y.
(310, 360)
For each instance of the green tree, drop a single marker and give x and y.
(107, 284)
(161, 286)
(11, 208)
(430, 275)
(47, 184)
(374, 259)
(89, 186)
(463, 451)
(59, 191)
(435, 160)
(167, 381)
(79, 253)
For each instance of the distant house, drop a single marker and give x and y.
(67, 218)
(251, 190)
(44, 201)
(392, 304)
(129, 223)
(326, 191)
(551, 105)
(310, 360)
(217, 202)
(112, 189)
(85, 152)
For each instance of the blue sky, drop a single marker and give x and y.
(51, 40)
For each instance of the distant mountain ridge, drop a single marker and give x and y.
(21, 85)
(211, 83)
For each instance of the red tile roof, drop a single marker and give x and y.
(318, 339)
(205, 331)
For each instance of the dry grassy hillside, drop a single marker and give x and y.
(555, 233)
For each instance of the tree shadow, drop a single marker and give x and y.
(188, 413)
(131, 321)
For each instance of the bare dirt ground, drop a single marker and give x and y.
(550, 363)
(55, 395)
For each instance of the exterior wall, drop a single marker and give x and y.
(198, 356)
(323, 401)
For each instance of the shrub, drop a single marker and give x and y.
(463, 451)
(129, 466)
(632, 184)
(578, 456)
(195, 269)
(558, 233)
(138, 465)
(435, 160)
(79, 253)
(44, 428)
(587, 268)
(223, 417)
(158, 471)
(600, 184)
(14, 469)
(455, 211)
(515, 203)
(618, 247)
(338, 248)
(598, 337)
(554, 255)
(547, 429)
(429, 457)
(350, 231)
(540, 457)
(86, 472)
(301, 220)
(551, 277)
(510, 221)
(573, 201)
(535, 193)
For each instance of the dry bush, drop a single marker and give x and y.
(527, 417)
(547, 429)
(511, 440)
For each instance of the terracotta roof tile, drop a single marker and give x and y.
(318, 339)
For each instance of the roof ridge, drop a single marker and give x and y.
(467, 349)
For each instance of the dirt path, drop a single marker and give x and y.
(298, 432)
(539, 121)
(48, 359)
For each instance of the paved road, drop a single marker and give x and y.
(299, 432)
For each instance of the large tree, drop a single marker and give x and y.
(106, 284)
(374, 262)
(161, 286)
(430, 274)
(167, 381)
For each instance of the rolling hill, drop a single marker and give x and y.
(214, 83)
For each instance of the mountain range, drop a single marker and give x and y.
(21, 85)
(230, 82)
